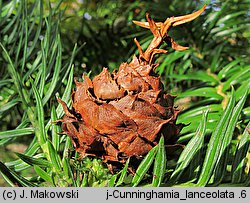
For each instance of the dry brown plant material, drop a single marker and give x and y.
(123, 114)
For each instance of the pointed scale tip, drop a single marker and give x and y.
(141, 24)
(187, 18)
(177, 20)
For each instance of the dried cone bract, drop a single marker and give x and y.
(123, 114)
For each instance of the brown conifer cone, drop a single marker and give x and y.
(123, 114)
